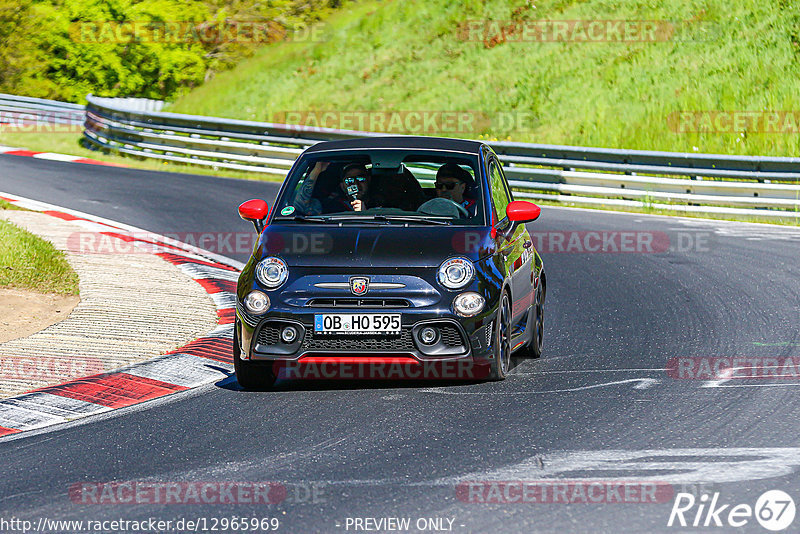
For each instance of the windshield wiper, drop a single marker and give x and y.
(305, 218)
(409, 218)
(333, 219)
(376, 218)
(389, 218)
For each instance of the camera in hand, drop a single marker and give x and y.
(351, 188)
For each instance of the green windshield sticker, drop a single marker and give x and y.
(288, 210)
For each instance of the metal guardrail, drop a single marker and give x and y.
(134, 104)
(22, 111)
(703, 183)
(208, 141)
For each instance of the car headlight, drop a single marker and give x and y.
(455, 273)
(468, 304)
(256, 302)
(272, 272)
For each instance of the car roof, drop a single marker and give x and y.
(413, 142)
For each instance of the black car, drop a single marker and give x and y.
(390, 249)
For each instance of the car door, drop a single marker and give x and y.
(512, 249)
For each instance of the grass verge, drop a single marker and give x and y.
(30, 262)
(8, 206)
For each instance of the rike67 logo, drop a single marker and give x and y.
(774, 510)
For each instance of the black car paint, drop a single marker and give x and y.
(501, 252)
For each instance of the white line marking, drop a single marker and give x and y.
(585, 371)
(675, 466)
(757, 386)
(724, 376)
(641, 383)
(93, 226)
(671, 466)
(56, 157)
(730, 374)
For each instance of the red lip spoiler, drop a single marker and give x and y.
(367, 360)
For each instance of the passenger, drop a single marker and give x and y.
(355, 185)
(452, 181)
(356, 176)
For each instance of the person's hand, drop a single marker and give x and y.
(319, 168)
(357, 205)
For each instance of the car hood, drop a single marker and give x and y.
(373, 246)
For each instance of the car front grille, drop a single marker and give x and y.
(269, 334)
(378, 343)
(358, 303)
(450, 336)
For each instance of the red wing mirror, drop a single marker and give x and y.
(521, 211)
(255, 211)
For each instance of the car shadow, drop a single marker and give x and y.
(285, 386)
(347, 384)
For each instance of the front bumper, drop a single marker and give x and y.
(458, 337)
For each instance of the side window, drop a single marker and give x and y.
(500, 198)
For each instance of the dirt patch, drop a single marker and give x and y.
(23, 313)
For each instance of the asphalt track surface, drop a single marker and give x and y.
(598, 405)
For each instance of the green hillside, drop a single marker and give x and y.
(417, 55)
(64, 49)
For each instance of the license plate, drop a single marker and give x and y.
(357, 323)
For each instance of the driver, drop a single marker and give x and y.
(451, 183)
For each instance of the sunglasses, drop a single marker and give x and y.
(447, 185)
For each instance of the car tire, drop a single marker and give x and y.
(533, 349)
(250, 375)
(501, 360)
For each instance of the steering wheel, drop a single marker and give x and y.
(461, 209)
(443, 207)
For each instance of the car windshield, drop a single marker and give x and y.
(384, 186)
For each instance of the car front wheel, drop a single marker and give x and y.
(533, 349)
(501, 360)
